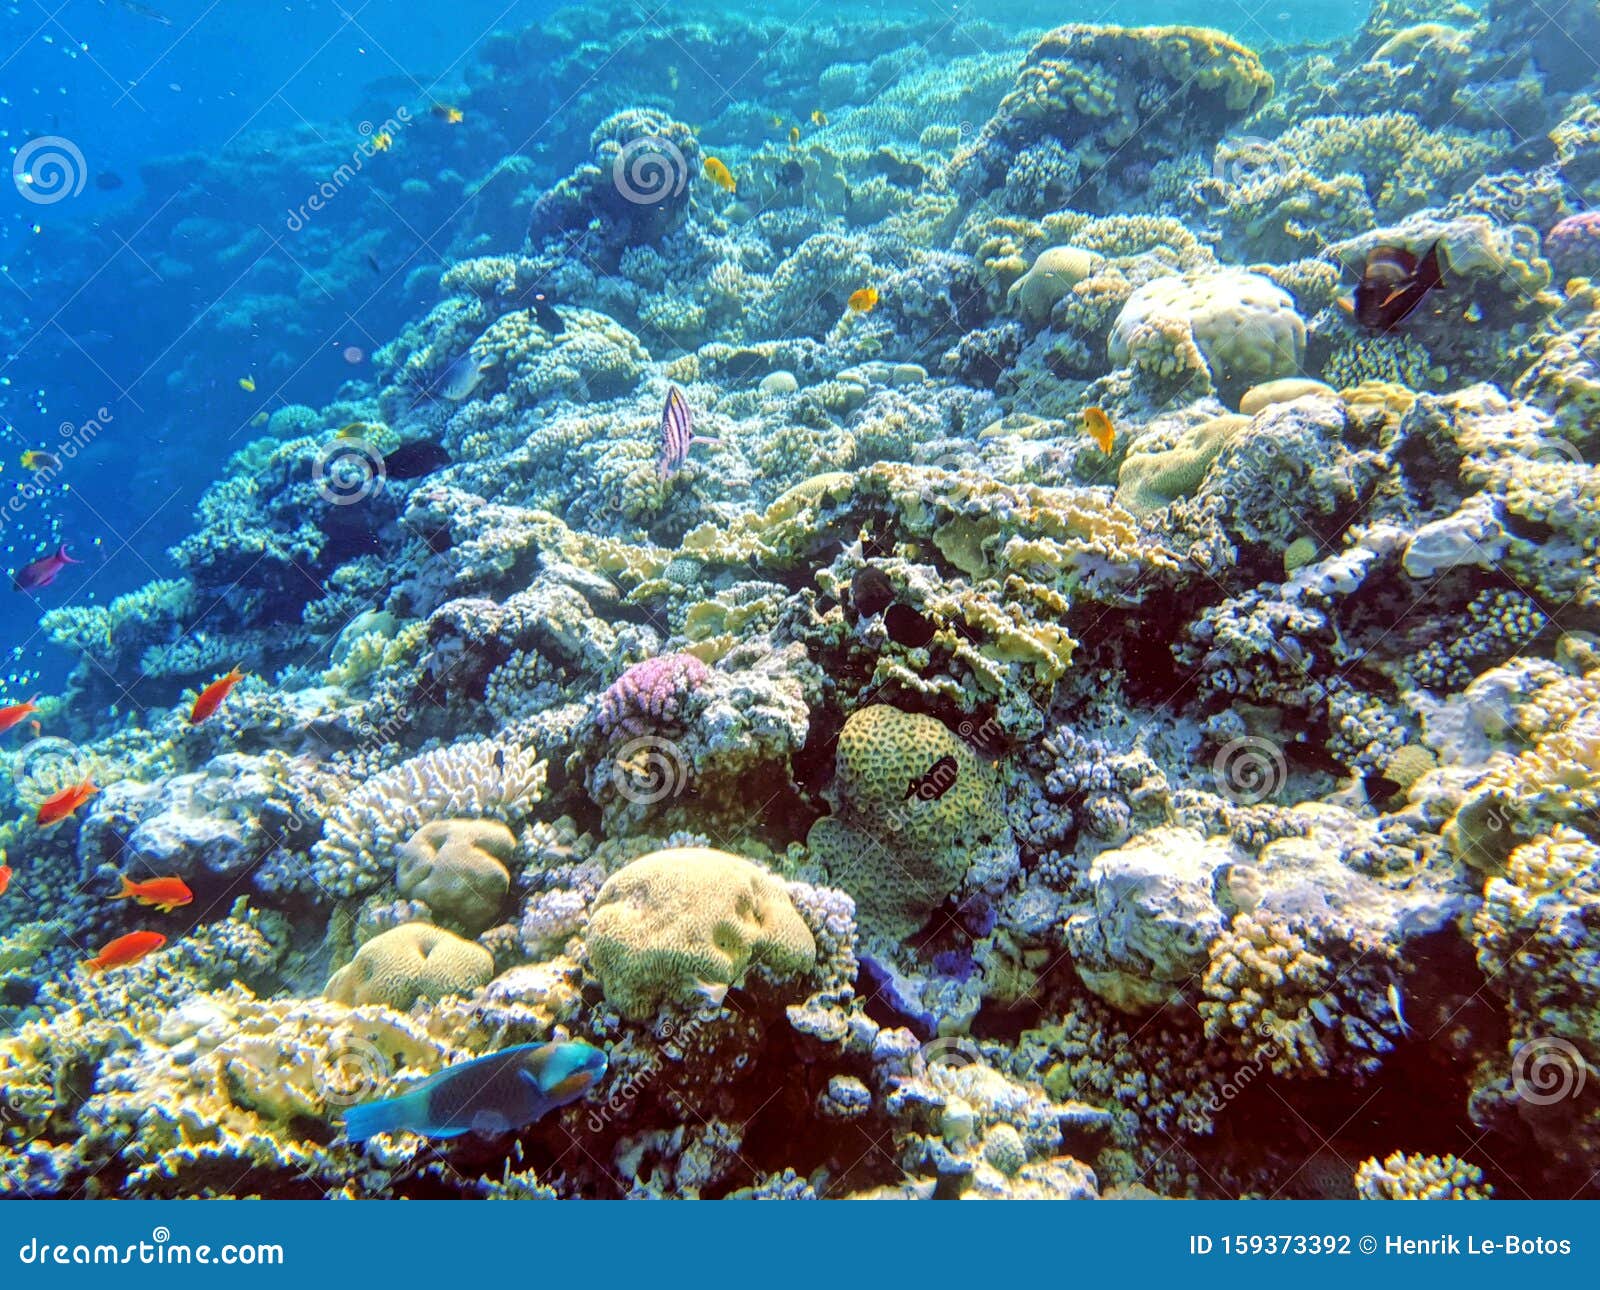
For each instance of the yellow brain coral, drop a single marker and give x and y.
(410, 962)
(1148, 481)
(1244, 324)
(1054, 273)
(458, 869)
(686, 923)
(916, 810)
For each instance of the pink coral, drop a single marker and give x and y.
(650, 695)
(1573, 246)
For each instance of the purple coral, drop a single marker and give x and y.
(650, 695)
(1573, 246)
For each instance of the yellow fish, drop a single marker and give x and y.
(247, 384)
(720, 175)
(819, 117)
(864, 301)
(354, 430)
(260, 419)
(777, 121)
(448, 113)
(37, 459)
(382, 141)
(1099, 427)
(794, 136)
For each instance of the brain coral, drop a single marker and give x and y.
(465, 780)
(1054, 273)
(1244, 325)
(686, 923)
(458, 869)
(899, 851)
(410, 962)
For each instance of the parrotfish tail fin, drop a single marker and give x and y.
(388, 1116)
(1429, 274)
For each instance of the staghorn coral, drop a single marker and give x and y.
(480, 779)
(1413, 1176)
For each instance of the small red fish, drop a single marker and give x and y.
(125, 950)
(15, 713)
(211, 697)
(60, 806)
(42, 572)
(165, 894)
(5, 878)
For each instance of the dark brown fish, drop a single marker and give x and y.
(939, 780)
(907, 627)
(1394, 283)
(871, 592)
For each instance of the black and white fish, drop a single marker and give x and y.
(677, 434)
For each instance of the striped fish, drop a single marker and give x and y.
(677, 434)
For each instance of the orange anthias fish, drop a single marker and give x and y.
(864, 301)
(125, 950)
(63, 805)
(5, 878)
(16, 713)
(165, 894)
(718, 173)
(211, 697)
(1100, 429)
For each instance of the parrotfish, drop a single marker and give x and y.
(490, 1095)
(415, 459)
(42, 572)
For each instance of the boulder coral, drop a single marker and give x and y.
(411, 962)
(684, 925)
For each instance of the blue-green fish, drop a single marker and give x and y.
(489, 1095)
